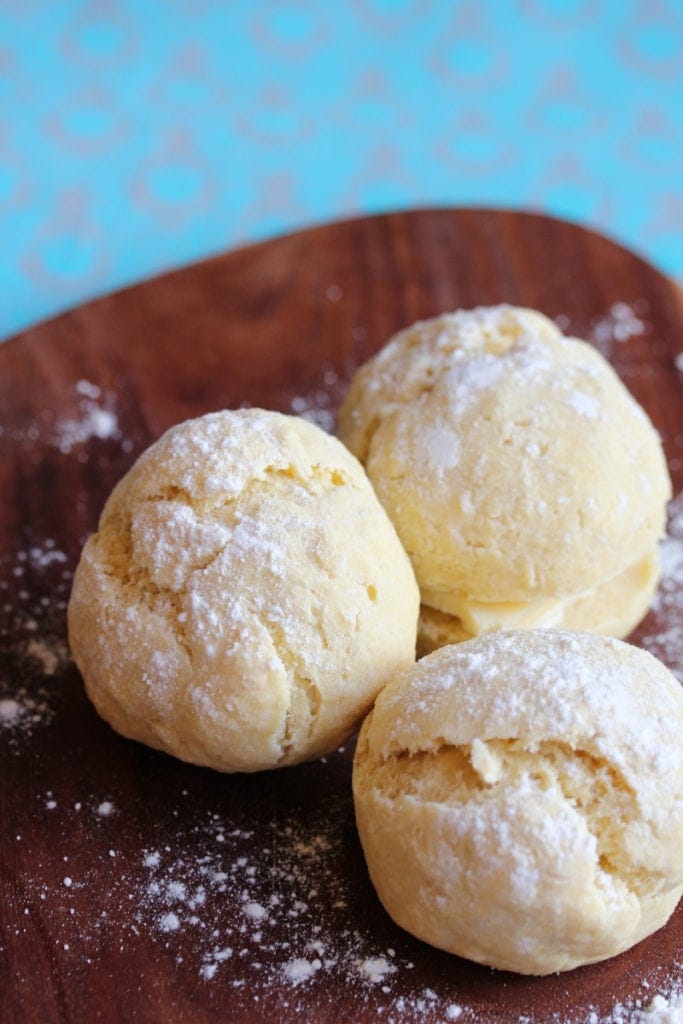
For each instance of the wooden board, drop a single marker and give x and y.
(137, 888)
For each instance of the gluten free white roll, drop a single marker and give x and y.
(526, 484)
(519, 798)
(245, 596)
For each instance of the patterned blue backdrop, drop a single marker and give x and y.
(137, 135)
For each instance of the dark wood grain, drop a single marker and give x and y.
(281, 324)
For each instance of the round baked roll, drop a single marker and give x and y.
(519, 798)
(526, 484)
(245, 597)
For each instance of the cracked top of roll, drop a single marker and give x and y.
(245, 596)
(520, 798)
(513, 462)
(595, 696)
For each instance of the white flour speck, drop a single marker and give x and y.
(95, 422)
(621, 323)
(299, 970)
(10, 710)
(376, 968)
(96, 419)
(255, 911)
(88, 389)
(169, 922)
(584, 405)
(48, 655)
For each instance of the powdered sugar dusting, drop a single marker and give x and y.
(34, 587)
(97, 419)
(95, 422)
(10, 711)
(584, 405)
(92, 418)
(662, 1009)
(169, 922)
(376, 968)
(25, 710)
(300, 969)
(319, 403)
(40, 556)
(622, 322)
(666, 643)
(50, 656)
(254, 911)
(29, 692)
(442, 449)
(275, 917)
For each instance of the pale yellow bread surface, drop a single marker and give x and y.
(245, 596)
(519, 798)
(513, 462)
(613, 608)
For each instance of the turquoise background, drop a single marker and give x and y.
(137, 136)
